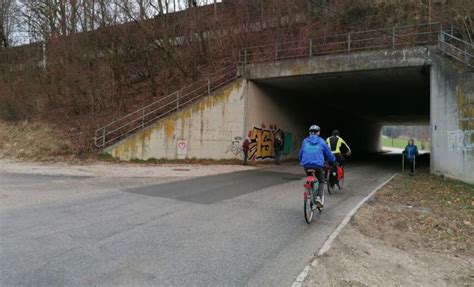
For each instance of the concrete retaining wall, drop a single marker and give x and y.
(210, 129)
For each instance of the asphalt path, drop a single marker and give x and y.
(238, 229)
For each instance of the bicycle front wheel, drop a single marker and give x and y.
(328, 182)
(308, 210)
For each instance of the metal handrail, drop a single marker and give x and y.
(334, 44)
(456, 48)
(343, 43)
(146, 115)
(437, 25)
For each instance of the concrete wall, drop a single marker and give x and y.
(270, 109)
(452, 120)
(213, 128)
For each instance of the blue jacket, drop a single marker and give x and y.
(314, 151)
(410, 151)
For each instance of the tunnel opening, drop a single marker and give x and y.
(358, 103)
(394, 138)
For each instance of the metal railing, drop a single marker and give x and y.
(456, 48)
(145, 116)
(396, 37)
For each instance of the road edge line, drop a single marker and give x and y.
(327, 244)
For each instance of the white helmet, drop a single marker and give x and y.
(314, 129)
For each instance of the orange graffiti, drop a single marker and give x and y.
(261, 143)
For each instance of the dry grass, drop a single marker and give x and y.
(423, 212)
(31, 141)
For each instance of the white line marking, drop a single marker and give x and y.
(327, 245)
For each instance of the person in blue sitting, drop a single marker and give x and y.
(410, 152)
(313, 153)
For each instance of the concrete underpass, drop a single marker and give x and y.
(359, 93)
(357, 103)
(356, 93)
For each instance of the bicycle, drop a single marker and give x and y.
(310, 203)
(332, 177)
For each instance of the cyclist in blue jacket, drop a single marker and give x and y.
(410, 152)
(313, 153)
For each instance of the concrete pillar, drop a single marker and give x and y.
(452, 120)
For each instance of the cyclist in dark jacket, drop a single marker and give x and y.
(313, 153)
(410, 152)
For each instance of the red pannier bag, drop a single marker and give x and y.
(340, 173)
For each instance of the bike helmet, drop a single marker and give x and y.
(314, 129)
(335, 133)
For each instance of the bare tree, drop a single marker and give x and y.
(8, 17)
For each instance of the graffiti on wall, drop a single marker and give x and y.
(262, 142)
(235, 147)
(459, 140)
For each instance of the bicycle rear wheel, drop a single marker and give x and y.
(308, 211)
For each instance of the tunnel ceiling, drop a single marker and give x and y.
(387, 96)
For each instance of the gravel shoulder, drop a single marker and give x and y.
(112, 169)
(414, 232)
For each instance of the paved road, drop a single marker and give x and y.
(239, 229)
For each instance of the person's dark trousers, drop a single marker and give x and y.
(411, 164)
(277, 156)
(319, 176)
(340, 159)
(246, 154)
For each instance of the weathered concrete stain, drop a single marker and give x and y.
(169, 125)
(465, 107)
(298, 70)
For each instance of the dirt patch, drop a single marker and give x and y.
(415, 231)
